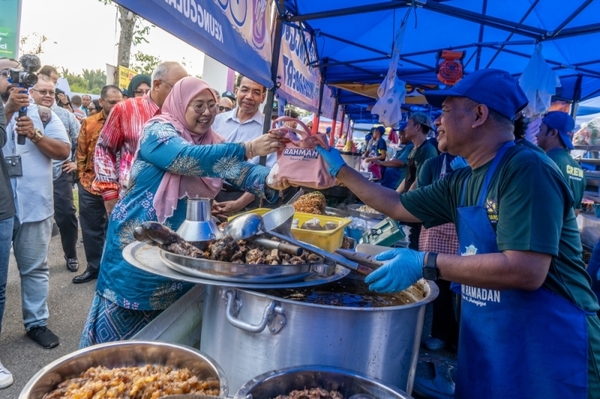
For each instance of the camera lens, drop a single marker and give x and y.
(27, 79)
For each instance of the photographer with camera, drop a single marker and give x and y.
(7, 216)
(29, 150)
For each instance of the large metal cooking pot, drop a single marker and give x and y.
(346, 382)
(123, 354)
(250, 332)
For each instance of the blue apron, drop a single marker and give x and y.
(515, 343)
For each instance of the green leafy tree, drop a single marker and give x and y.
(96, 80)
(90, 82)
(145, 63)
(134, 30)
(33, 43)
(77, 83)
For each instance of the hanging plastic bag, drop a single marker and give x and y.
(392, 91)
(539, 82)
(299, 163)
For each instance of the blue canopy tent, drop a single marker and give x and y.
(354, 38)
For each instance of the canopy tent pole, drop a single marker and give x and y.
(338, 63)
(342, 122)
(558, 64)
(575, 13)
(274, 64)
(317, 116)
(581, 30)
(493, 22)
(345, 41)
(367, 71)
(389, 5)
(335, 112)
(512, 33)
(576, 96)
(481, 28)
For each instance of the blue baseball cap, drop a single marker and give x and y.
(492, 87)
(381, 130)
(563, 123)
(401, 126)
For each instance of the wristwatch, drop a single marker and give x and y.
(37, 136)
(430, 270)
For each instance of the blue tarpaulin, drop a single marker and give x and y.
(354, 38)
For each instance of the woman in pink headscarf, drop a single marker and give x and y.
(179, 157)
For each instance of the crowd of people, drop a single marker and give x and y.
(493, 216)
(132, 161)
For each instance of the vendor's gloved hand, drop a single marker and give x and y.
(405, 267)
(458, 163)
(333, 158)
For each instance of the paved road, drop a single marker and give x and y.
(69, 305)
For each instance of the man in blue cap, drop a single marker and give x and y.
(528, 326)
(555, 139)
(395, 169)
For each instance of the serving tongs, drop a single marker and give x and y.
(249, 225)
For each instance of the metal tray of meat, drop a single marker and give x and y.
(353, 211)
(236, 272)
(148, 258)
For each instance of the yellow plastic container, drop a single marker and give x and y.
(329, 240)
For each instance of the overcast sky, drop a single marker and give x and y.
(83, 34)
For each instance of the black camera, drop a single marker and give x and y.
(22, 78)
(25, 78)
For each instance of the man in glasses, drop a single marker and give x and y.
(30, 172)
(225, 105)
(65, 214)
(241, 124)
(92, 213)
(121, 133)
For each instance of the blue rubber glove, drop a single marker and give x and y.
(458, 163)
(332, 158)
(405, 267)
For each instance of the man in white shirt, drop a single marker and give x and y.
(31, 180)
(241, 124)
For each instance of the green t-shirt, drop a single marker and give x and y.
(434, 169)
(572, 172)
(530, 208)
(416, 158)
(528, 144)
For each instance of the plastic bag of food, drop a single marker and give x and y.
(299, 163)
(312, 224)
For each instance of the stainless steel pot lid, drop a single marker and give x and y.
(147, 257)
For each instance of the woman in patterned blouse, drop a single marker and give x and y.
(179, 157)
